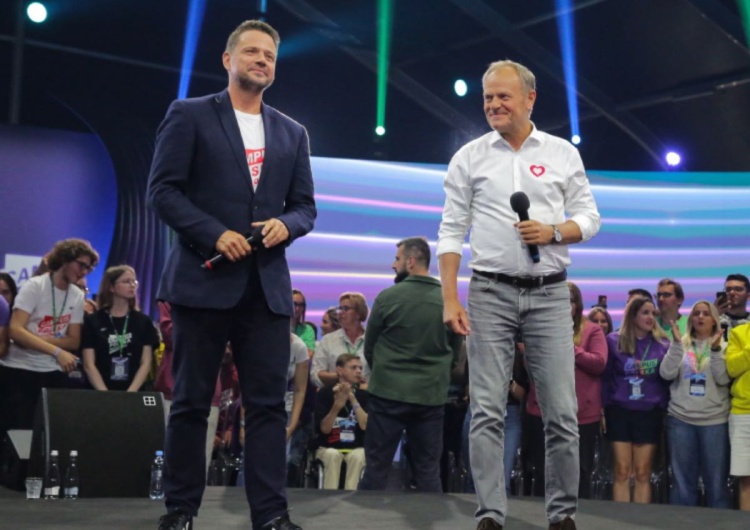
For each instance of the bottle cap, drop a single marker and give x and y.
(74, 453)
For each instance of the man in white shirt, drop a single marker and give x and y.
(509, 293)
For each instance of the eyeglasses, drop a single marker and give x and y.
(128, 282)
(344, 308)
(664, 295)
(734, 289)
(85, 267)
(299, 304)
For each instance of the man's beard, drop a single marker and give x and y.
(400, 276)
(251, 85)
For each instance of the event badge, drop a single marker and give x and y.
(347, 435)
(119, 369)
(698, 385)
(635, 388)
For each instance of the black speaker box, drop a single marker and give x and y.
(14, 459)
(115, 433)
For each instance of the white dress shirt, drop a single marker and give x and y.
(483, 175)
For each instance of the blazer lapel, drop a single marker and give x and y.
(269, 129)
(232, 130)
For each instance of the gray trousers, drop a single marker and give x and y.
(497, 312)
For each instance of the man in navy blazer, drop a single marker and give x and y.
(224, 164)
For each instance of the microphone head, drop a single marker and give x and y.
(519, 201)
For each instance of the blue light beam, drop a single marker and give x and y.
(566, 33)
(192, 33)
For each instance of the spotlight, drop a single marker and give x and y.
(673, 159)
(380, 130)
(36, 12)
(575, 139)
(460, 87)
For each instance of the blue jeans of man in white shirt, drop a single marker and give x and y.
(497, 311)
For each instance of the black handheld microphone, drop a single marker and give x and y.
(253, 240)
(519, 201)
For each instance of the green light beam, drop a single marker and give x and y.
(385, 25)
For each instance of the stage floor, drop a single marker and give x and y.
(226, 508)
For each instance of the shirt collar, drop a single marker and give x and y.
(420, 278)
(536, 136)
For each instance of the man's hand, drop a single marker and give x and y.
(233, 246)
(341, 394)
(535, 233)
(274, 232)
(455, 316)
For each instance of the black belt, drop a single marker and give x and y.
(526, 282)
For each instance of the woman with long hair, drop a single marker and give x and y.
(634, 397)
(45, 328)
(697, 424)
(601, 317)
(590, 347)
(300, 327)
(118, 340)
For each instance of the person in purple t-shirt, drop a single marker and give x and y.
(634, 397)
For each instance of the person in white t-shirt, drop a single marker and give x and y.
(45, 328)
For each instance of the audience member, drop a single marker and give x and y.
(601, 317)
(633, 293)
(733, 305)
(669, 298)
(330, 321)
(4, 324)
(45, 328)
(8, 289)
(738, 368)
(89, 305)
(697, 427)
(352, 312)
(164, 382)
(634, 397)
(590, 346)
(118, 340)
(297, 377)
(341, 417)
(410, 352)
(300, 327)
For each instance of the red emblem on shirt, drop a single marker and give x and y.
(538, 171)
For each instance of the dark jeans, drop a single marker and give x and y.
(386, 420)
(261, 348)
(587, 433)
(19, 394)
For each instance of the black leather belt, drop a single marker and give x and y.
(526, 282)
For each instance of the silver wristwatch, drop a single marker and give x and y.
(556, 235)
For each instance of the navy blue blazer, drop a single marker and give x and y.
(200, 186)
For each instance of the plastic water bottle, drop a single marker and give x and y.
(52, 480)
(70, 486)
(156, 490)
(517, 485)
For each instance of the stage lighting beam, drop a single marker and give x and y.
(196, 10)
(566, 34)
(37, 12)
(385, 25)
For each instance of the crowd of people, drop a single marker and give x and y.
(665, 374)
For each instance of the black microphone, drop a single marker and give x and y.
(253, 240)
(519, 201)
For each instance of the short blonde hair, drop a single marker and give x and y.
(360, 304)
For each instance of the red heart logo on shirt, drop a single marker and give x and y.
(538, 171)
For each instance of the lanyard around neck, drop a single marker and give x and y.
(55, 315)
(121, 337)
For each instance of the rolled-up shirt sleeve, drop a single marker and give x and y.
(457, 208)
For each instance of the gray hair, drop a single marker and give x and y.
(528, 80)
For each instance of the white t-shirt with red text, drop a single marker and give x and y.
(35, 298)
(254, 138)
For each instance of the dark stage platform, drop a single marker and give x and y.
(225, 508)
